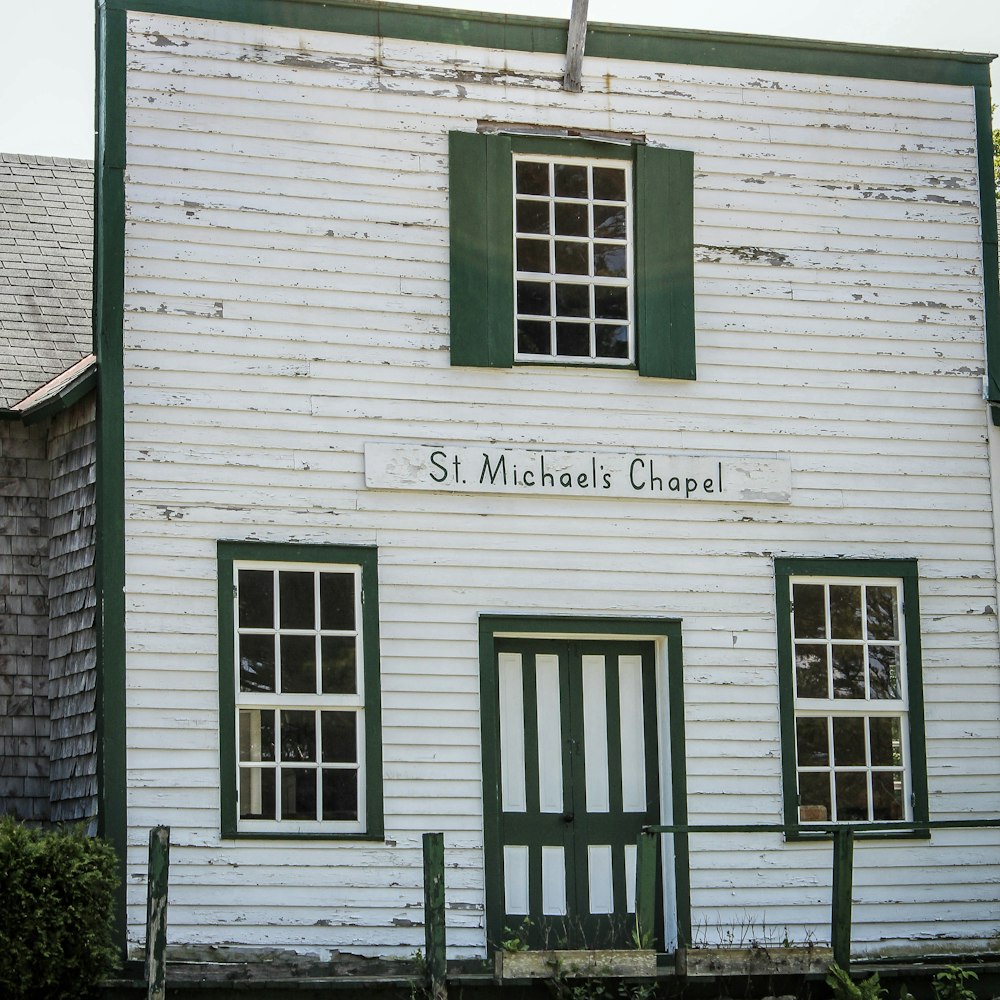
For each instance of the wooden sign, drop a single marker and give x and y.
(639, 475)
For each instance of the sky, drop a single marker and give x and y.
(47, 46)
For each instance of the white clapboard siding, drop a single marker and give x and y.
(287, 301)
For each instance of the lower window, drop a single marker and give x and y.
(299, 690)
(852, 705)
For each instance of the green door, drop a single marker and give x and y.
(578, 777)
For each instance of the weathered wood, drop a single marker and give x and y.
(435, 943)
(156, 913)
(645, 888)
(843, 890)
(576, 40)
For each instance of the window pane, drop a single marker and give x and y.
(609, 222)
(886, 741)
(298, 664)
(532, 178)
(610, 302)
(848, 671)
(811, 671)
(297, 600)
(340, 737)
(610, 260)
(887, 792)
(612, 341)
(533, 255)
(812, 742)
(533, 337)
(814, 797)
(256, 662)
(533, 298)
(256, 590)
(571, 180)
(572, 300)
(883, 671)
(298, 793)
(340, 794)
(257, 793)
(609, 184)
(256, 734)
(852, 795)
(336, 601)
(572, 258)
(532, 216)
(571, 219)
(809, 611)
(845, 612)
(298, 735)
(882, 621)
(573, 340)
(849, 742)
(340, 672)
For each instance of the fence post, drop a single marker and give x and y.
(434, 924)
(645, 888)
(843, 886)
(156, 912)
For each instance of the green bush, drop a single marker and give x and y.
(56, 913)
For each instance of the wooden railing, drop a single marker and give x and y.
(842, 836)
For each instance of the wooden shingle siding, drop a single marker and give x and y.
(287, 301)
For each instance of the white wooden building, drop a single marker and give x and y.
(482, 457)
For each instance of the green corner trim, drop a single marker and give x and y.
(365, 556)
(491, 627)
(536, 34)
(109, 290)
(905, 570)
(991, 265)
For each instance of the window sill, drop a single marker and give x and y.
(823, 836)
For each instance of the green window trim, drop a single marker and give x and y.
(904, 570)
(482, 226)
(366, 557)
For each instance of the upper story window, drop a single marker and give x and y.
(571, 251)
(573, 260)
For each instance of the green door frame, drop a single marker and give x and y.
(666, 633)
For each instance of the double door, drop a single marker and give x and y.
(578, 776)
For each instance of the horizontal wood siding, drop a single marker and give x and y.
(287, 301)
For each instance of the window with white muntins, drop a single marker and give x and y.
(573, 252)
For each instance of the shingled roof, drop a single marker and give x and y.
(46, 260)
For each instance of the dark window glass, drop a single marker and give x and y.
(811, 671)
(883, 671)
(533, 338)
(257, 793)
(848, 671)
(298, 735)
(298, 664)
(887, 793)
(340, 794)
(609, 184)
(609, 222)
(812, 742)
(845, 612)
(533, 255)
(886, 741)
(852, 795)
(256, 734)
(572, 300)
(532, 216)
(809, 611)
(336, 601)
(298, 599)
(814, 797)
(612, 341)
(571, 180)
(572, 258)
(610, 260)
(533, 298)
(298, 793)
(256, 662)
(340, 669)
(571, 219)
(882, 622)
(849, 742)
(573, 340)
(610, 302)
(532, 178)
(256, 590)
(340, 737)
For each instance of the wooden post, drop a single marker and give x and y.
(434, 926)
(645, 888)
(156, 912)
(575, 41)
(843, 887)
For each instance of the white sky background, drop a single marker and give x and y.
(47, 46)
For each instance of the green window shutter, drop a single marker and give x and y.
(481, 227)
(664, 282)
